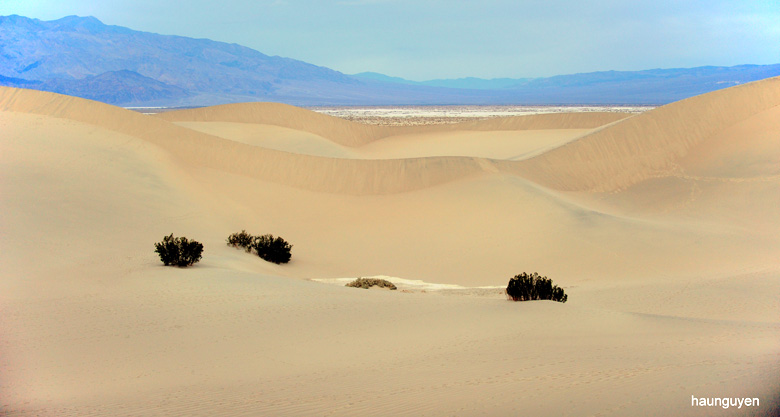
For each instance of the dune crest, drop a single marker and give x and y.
(348, 133)
(625, 151)
(338, 130)
(647, 145)
(195, 149)
(585, 120)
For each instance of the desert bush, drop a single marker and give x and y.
(178, 251)
(526, 287)
(242, 239)
(272, 249)
(367, 283)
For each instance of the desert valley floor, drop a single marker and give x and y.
(662, 227)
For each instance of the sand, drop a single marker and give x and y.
(662, 228)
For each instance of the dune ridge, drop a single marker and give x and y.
(624, 152)
(585, 120)
(647, 145)
(349, 176)
(343, 132)
(348, 133)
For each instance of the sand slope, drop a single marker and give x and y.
(349, 133)
(661, 227)
(650, 144)
(321, 174)
(338, 130)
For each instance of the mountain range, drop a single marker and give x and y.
(84, 57)
(462, 83)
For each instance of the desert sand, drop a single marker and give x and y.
(663, 228)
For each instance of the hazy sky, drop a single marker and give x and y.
(425, 39)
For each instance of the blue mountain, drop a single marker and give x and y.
(81, 56)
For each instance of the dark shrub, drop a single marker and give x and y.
(243, 240)
(526, 287)
(371, 282)
(272, 249)
(178, 251)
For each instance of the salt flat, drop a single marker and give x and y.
(425, 115)
(662, 227)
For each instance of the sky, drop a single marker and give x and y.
(428, 39)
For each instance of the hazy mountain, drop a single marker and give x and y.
(476, 83)
(113, 87)
(18, 82)
(375, 76)
(119, 87)
(656, 86)
(82, 56)
(77, 47)
(469, 83)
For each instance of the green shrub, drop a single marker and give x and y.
(178, 251)
(367, 283)
(242, 239)
(272, 249)
(526, 287)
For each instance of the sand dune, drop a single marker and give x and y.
(320, 174)
(650, 144)
(589, 120)
(349, 133)
(661, 227)
(337, 130)
(753, 156)
(673, 191)
(614, 157)
(491, 144)
(274, 137)
(259, 124)
(193, 151)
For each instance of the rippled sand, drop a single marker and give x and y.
(661, 226)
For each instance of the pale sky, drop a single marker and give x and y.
(421, 40)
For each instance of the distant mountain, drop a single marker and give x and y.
(375, 76)
(81, 56)
(119, 87)
(468, 83)
(476, 83)
(113, 87)
(74, 47)
(657, 86)
(18, 82)
(84, 57)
